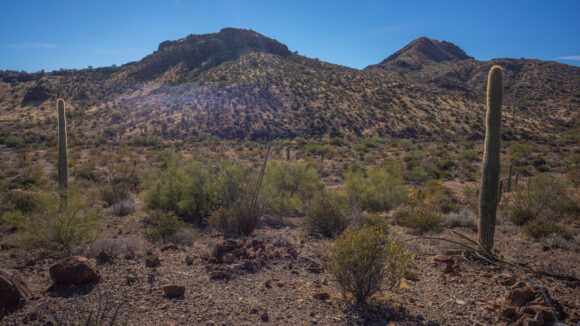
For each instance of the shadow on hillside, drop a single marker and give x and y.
(65, 291)
(379, 314)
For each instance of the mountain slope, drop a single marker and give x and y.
(238, 84)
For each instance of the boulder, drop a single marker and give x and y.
(74, 270)
(14, 292)
(174, 290)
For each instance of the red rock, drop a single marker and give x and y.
(74, 270)
(220, 275)
(152, 261)
(448, 269)
(442, 258)
(268, 284)
(315, 268)
(520, 296)
(321, 296)
(510, 312)
(14, 292)
(170, 246)
(189, 260)
(412, 277)
(174, 290)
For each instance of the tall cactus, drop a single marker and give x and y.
(488, 198)
(62, 156)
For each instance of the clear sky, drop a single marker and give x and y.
(53, 34)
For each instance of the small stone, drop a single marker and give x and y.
(448, 269)
(280, 284)
(412, 276)
(130, 279)
(461, 302)
(170, 246)
(442, 258)
(104, 257)
(152, 261)
(264, 316)
(174, 290)
(268, 284)
(519, 297)
(220, 275)
(321, 296)
(315, 268)
(189, 260)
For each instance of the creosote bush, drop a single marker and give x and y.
(288, 186)
(364, 261)
(419, 213)
(531, 200)
(240, 205)
(326, 214)
(48, 226)
(379, 189)
(182, 188)
(164, 227)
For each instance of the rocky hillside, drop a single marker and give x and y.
(238, 84)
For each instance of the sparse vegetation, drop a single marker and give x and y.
(364, 261)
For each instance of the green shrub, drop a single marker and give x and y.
(287, 186)
(539, 228)
(531, 199)
(163, 226)
(183, 188)
(421, 215)
(468, 155)
(417, 174)
(326, 214)
(241, 208)
(51, 227)
(364, 261)
(25, 202)
(122, 180)
(379, 190)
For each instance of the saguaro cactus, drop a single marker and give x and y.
(488, 198)
(62, 156)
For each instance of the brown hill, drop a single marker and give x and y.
(238, 83)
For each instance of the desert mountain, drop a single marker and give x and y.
(238, 84)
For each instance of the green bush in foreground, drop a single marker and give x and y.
(48, 226)
(364, 261)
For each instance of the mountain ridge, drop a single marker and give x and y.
(239, 83)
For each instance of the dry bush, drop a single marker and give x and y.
(364, 261)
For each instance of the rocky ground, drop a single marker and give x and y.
(277, 277)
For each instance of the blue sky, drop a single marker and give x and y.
(75, 34)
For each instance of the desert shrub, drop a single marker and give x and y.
(52, 227)
(374, 220)
(519, 151)
(162, 226)
(441, 197)
(364, 261)
(416, 174)
(26, 202)
(470, 196)
(464, 218)
(146, 141)
(119, 184)
(421, 216)
(469, 155)
(240, 203)
(288, 186)
(326, 214)
(531, 199)
(539, 228)
(380, 189)
(124, 207)
(183, 188)
(336, 141)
